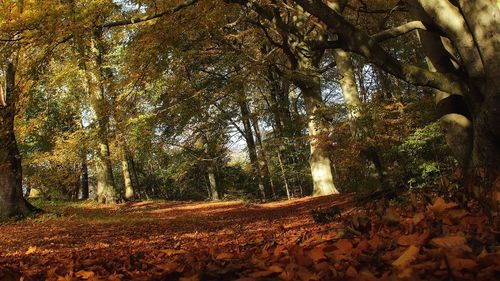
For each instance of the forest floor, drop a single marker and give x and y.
(241, 241)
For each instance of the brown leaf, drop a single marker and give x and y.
(460, 263)
(172, 252)
(448, 242)
(407, 257)
(418, 217)
(407, 240)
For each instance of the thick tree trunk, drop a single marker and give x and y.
(12, 202)
(127, 178)
(106, 192)
(319, 161)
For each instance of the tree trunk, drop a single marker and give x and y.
(263, 163)
(84, 179)
(106, 192)
(12, 202)
(360, 129)
(127, 178)
(212, 180)
(252, 151)
(319, 161)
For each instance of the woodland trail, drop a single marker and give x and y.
(133, 240)
(156, 240)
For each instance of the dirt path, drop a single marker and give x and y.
(149, 240)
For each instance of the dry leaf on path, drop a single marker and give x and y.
(407, 257)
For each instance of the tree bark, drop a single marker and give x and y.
(106, 192)
(319, 160)
(127, 178)
(252, 150)
(84, 184)
(12, 202)
(212, 180)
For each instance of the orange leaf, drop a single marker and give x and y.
(407, 240)
(169, 266)
(440, 205)
(407, 257)
(224, 256)
(275, 268)
(343, 245)
(317, 254)
(85, 274)
(448, 242)
(351, 272)
(459, 263)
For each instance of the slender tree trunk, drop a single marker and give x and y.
(12, 202)
(263, 163)
(212, 180)
(127, 178)
(252, 150)
(359, 129)
(84, 179)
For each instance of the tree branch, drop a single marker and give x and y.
(135, 20)
(359, 42)
(398, 31)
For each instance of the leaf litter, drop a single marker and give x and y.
(239, 241)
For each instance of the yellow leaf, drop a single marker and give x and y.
(31, 250)
(85, 274)
(407, 257)
(448, 242)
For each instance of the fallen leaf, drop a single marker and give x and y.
(448, 242)
(407, 240)
(172, 252)
(460, 263)
(224, 256)
(85, 274)
(31, 250)
(351, 272)
(440, 205)
(407, 257)
(418, 217)
(317, 254)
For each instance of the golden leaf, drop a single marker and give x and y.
(407, 257)
(31, 250)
